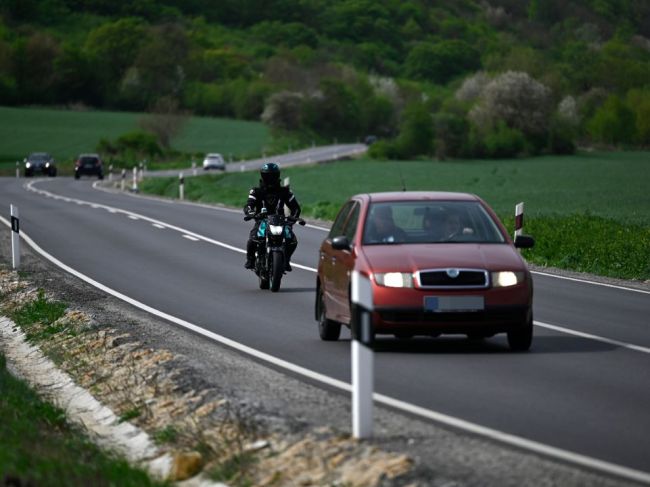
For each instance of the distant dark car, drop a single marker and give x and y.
(89, 164)
(39, 162)
(438, 263)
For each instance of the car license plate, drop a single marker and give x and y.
(451, 304)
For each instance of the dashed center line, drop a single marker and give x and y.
(133, 217)
(158, 225)
(190, 237)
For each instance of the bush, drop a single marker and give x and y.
(561, 136)
(504, 141)
(131, 146)
(516, 99)
(613, 123)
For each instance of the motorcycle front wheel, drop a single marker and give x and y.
(277, 271)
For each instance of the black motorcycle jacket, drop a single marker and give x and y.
(274, 199)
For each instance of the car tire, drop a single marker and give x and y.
(100, 176)
(76, 176)
(521, 339)
(329, 330)
(52, 173)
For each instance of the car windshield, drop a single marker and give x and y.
(88, 159)
(38, 157)
(415, 222)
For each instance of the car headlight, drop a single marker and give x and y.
(47, 164)
(28, 165)
(394, 279)
(276, 229)
(507, 278)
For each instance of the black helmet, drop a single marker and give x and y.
(270, 173)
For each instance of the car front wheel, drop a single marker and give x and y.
(521, 339)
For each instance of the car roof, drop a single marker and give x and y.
(39, 154)
(395, 196)
(214, 154)
(89, 155)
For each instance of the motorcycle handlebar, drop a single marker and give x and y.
(290, 220)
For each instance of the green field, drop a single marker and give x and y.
(589, 212)
(611, 185)
(65, 134)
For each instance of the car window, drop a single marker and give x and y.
(337, 227)
(351, 226)
(430, 222)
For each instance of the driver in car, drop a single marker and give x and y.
(272, 197)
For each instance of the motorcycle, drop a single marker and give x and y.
(270, 256)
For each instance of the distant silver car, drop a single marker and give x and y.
(214, 161)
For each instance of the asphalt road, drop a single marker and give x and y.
(584, 387)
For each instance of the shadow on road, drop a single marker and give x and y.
(454, 345)
(298, 290)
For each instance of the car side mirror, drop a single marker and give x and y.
(341, 243)
(524, 242)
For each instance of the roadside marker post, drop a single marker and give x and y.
(181, 186)
(134, 187)
(123, 179)
(15, 237)
(194, 167)
(110, 172)
(17, 170)
(362, 357)
(519, 219)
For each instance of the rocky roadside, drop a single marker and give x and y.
(243, 422)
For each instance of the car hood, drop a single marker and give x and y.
(411, 258)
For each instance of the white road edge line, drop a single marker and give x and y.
(512, 440)
(589, 336)
(97, 186)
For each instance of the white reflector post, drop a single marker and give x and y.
(181, 186)
(134, 187)
(15, 238)
(519, 219)
(123, 179)
(362, 357)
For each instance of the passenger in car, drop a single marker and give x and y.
(382, 228)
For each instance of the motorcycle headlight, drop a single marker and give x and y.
(276, 229)
(394, 279)
(507, 278)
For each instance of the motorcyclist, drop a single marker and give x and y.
(273, 197)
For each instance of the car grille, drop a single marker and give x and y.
(453, 278)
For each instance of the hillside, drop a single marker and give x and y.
(461, 78)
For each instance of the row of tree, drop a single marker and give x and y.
(463, 78)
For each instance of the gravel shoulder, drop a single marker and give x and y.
(307, 426)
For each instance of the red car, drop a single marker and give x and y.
(438, 263)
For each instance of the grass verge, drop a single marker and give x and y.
(38, 446)
(588, 213)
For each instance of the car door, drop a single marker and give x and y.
(327, 258)
(342, 266)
